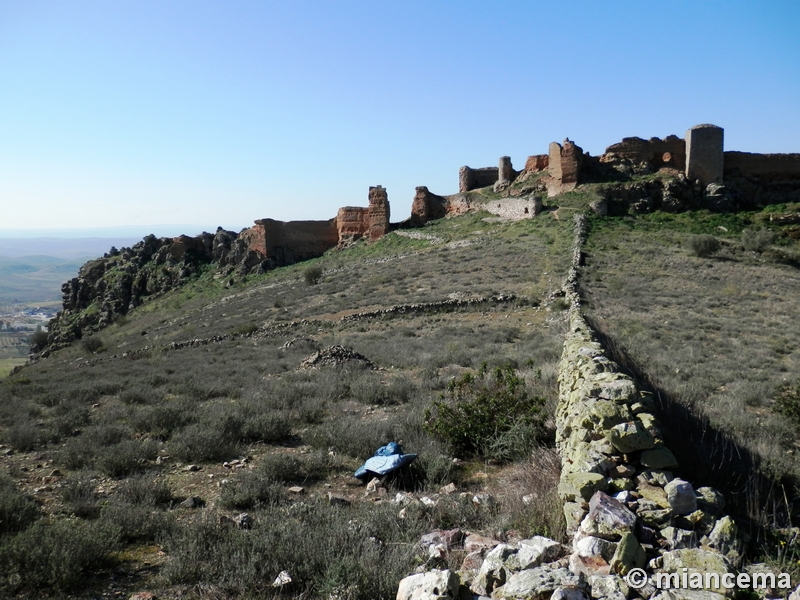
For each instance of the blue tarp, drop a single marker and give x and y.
(387, 458)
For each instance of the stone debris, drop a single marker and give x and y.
(433, 585)
(333, 356)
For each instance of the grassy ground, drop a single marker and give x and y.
(106, 447)
(8, 364)
(715, 335)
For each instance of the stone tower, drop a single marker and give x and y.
(378, 212)
(704, 153)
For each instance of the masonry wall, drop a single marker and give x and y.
(704, 153)
(352, 223)
(669, 152)
(515, 208)
(472, 179)
(427, 206)
(762, 166)
(292, 241)
(622, 502)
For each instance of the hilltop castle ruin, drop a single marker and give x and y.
(698, 160)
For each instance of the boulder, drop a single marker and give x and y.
(695, 560)
(659, 457)
(474, 542)
(535, 584)
(687, 594)
(795, 595)
(631, 437)
(542, 548)
(447, 537)
(629, 555)
(654, 494)
(604, 414)
(433, 585)
(710, 500)
(589, 546)
(575, 486)
(609, 586)
(678, 539)
(608, 518)
(570, 592)
(494, 571)
(724, 538)
(681, 497)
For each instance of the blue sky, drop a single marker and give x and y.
(197, 114)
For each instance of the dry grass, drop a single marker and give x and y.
(716, 335)
(103, 424)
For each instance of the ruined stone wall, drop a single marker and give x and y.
(515, 208)
(378, 212)
(471, 179)
(704, 153)
(292, 241)
(352, 223)
(623, 505)
(537, 163)
(427, 207)
(765, 167)
(669, 152)
(564, 166)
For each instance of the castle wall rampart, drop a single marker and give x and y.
(748, 164)
(472, 179)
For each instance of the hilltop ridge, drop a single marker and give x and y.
(633, 176)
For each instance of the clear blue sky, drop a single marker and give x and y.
(218, 113)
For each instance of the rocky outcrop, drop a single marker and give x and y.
(123, 279)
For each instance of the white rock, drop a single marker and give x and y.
(433, 585)
(282, 579)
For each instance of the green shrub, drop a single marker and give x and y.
(129, 456)
(197, 443)
(703, 245)
(137, 523)
(476, 409)
(55, 555)
(787, 403)
(39, 338)
(92, 344)
(251, 489)
(22, 435)
(312, 275)
(79, 497)
(17, 511)
(757, 240)
(144, 491)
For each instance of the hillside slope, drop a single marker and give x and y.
(212, 375)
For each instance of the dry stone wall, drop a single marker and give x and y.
(624, 506)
